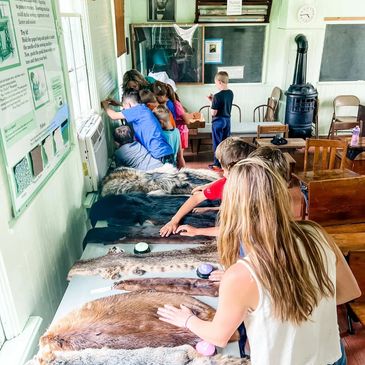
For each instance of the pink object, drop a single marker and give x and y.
(205, 348)
(355, 136)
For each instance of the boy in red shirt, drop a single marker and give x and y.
(229, 152)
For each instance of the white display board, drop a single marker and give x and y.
(34, 122)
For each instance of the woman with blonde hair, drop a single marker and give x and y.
(286, 288)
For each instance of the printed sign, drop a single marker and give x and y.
(213, 51)
(34, 123)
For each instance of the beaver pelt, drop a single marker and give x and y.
(124, 321)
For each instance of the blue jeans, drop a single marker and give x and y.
(221, 129)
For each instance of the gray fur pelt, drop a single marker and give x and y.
(181, 355)
(125, 180)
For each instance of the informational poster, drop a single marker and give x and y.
(213, 50)
(234, 7)
(34, 122)
(234, 72)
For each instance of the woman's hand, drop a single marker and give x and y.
(216, 275)
(186, 230)
(176, 316)
(168, 228)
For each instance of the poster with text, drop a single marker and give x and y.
(213, 50)
(34, 123)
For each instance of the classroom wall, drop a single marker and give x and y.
(280, 55)
(38, 248)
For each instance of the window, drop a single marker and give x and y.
(76, 65)
(2, 336)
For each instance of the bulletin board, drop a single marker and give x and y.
(343, 53)
(242, 52)
(34, 124)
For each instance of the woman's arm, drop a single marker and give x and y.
(346, 285)
(237, 293)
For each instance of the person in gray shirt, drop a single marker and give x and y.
(131, 153)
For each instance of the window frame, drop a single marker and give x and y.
(72, 68)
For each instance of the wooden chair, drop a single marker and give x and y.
(324, 158)
(343, 122)
(205, 138)
(324, 153)
(263, 113)
(356, 261)
(272, 130)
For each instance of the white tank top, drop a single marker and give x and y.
(314, 342)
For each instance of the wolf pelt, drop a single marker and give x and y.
(122, 321)
(136, 208)
(125, 179)
(180, 355)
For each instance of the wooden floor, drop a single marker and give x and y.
(354, 344)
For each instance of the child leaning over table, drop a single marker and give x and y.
(171, 134)
(271, 155)
(221, 106)
(146, 127)
(230, 151)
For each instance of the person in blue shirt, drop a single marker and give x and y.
(147, 128)
(171, 134)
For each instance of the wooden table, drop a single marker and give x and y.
(348, 237)
(309, 176)
(293, 143)
(82, 289)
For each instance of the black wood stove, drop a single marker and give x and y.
(301, 97)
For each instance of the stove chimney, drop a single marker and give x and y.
(301, 97)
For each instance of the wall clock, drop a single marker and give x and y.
(306, 14)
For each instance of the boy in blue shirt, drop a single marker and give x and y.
(221, 106)
(146, 127)
(171, 134)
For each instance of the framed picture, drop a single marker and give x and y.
(213, 50)
(161, 10)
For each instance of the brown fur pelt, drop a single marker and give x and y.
(124, 321)
(116, 263)
(188, 286)
(181, 355)
(126, 180)
(127, 234)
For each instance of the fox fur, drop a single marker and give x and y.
(124, 321)
(125, 180)
(137, 208)
(180, 355)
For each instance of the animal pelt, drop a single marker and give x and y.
(124, 321)
(180, 355)
(116, 263)
(150, 234)
(126, 180)
(136, 208)
(188, 286)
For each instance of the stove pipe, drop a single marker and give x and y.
(301, 97)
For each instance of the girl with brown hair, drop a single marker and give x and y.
(286, 288)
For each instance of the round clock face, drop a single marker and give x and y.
(306, 14)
